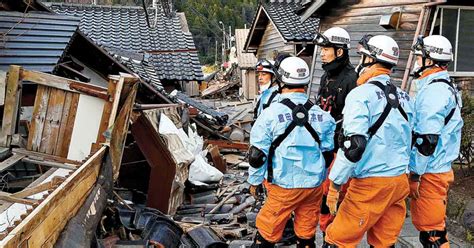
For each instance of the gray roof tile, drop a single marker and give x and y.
(125, 28)
(284, 15)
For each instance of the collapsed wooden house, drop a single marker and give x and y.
(73, 129)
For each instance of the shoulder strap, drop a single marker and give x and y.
(386, 111)
(270, 99)
(276, 143)
(448, 82)
(255, 110)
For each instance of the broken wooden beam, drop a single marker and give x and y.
(10, 198)
(217, 159)
(44, 156)
(12, 102)
(49, 163)
(64, 84)
(39, 188)
(7, 163)
(229, 145)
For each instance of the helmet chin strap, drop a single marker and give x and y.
(364, 64)
(417, 73)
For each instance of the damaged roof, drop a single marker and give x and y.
(285, 18)
(169, 45)
(36, 41)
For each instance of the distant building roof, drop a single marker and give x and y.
(246, 60)
(36, 41)
(285, 18)
(288, 22)
(169, 44)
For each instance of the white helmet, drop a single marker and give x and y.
(434, 47)
(265, 66)
(380, 47)
(334, 37)
(293, 71)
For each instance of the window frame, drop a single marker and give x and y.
(439, 13)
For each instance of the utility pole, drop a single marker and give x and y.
(223, 41)
(230, 36)
(215, 59)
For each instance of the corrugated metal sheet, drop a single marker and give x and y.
(271, 43)
(363, 18)
(35, 41)
(246, 60)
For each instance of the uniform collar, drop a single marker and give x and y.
(294, 95)
(421, 83)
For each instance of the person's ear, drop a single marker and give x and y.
(339, 52)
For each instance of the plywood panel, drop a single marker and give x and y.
(86, 126)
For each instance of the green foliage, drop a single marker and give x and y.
(203, 18)
(467, 113)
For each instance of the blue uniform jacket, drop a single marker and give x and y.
(432, 104)
(387, 153)
(298, 161)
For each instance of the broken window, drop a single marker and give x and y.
(457, 24)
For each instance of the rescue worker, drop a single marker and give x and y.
(286, 155)
(268, 89)
(377, 118)
(338, 80)
(437, 139)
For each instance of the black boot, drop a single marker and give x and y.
(260, 242)
(305, 243)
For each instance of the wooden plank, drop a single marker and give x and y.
(64, 84)
(49, 138)
(116, 101)
(119, 131)
(12, 100)
(3, 86)
(63, 150)
(229, 145)
(106, 113)
(38, 117)
(57, 208)
(49, 163)
(8, 197)
(217, 159)
(10, 161)
(58, 218)
(63, 124)
(39, 188)
(43, 156)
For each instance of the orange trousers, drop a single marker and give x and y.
(429, 210)
(280, 203)
(375, 205)
(325, 217)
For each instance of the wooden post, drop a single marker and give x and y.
(12, 100)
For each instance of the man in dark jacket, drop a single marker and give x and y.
(338, 80)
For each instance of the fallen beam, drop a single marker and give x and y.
(9, 162)
(9, 198)
(229, 145)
